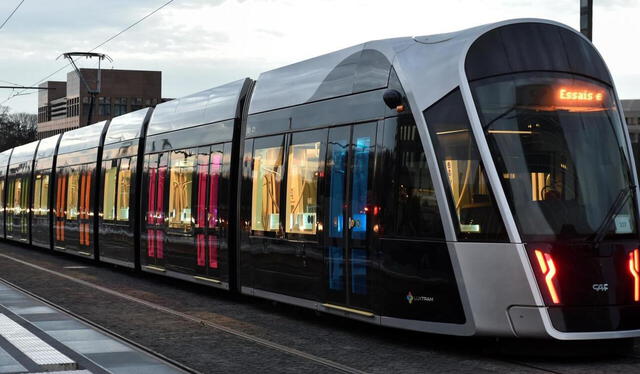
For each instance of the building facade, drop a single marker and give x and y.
(65, 105)
(631, 110)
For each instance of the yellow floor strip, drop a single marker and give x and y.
(349, 310)
(155, 268)
(207, 279)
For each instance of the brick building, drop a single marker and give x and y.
(66, 105)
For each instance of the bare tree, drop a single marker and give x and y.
(16, 128)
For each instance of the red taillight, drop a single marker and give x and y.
(634, 269)
(548, 269)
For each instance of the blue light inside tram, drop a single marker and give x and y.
(336, 268)
(336, 198)
(359, 188)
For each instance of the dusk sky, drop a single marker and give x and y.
(198, 44)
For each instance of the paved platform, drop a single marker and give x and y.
(36, 338)
(212, 331)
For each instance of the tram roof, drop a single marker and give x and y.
(82, 138)
(24, 153)
(47, 147)
(433, 62)
(4, 160)
(126, 127)
(208, 106)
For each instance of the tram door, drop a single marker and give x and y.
(350, 162)
(208, 217)
(155, 216)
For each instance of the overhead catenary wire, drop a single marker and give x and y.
(11, 14)
(132, 25)
(20, 93)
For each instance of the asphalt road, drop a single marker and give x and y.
(212, 331)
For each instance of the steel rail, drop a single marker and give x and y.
(107, 331)
(257, 340)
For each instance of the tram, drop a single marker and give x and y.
(473, 183)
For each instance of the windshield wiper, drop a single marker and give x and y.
(617, 205)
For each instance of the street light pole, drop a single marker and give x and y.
(586, 18)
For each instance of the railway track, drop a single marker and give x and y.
(103, 329)
(237, 333)
(324, 364)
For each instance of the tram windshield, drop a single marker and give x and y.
(558, 145)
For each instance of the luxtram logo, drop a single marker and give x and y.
(411, 298)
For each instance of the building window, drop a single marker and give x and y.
(120, 106)
(104, 106)
(136, 104)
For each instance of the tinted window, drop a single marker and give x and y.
(41, 194)
(412, 209)
(304, 166)
(124, 188)
(181, 174)
(533, 46)
(108, 202)
(558, 145)
(73, 192)
(267, 176)
(469, 193)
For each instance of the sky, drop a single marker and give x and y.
(199, 44)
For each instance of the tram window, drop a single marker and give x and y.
(41, 195)
(108, 205)
(180, 189)
(20, 195)
(416, 206)
(44, 199)
(37, 195)
(86, 173)
(17, 195)
(246, 186)
(303, 170)
(562, 159)
(267, 176)
(24, 204)
(124, 190)
(72, 194)
(2, 193)
(216, 180)
(470, 196)
(11, 201)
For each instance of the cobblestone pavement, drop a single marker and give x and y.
(212, 331)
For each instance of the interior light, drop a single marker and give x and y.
(451, 132)
(634, 269)
(525, 132)
(548, 268)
